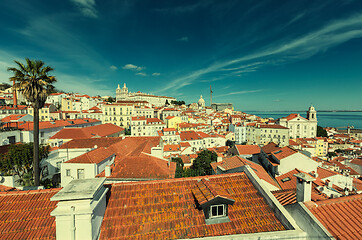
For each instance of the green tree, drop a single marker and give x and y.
(111, 100)
(321, 132)
(127, 131)
(230, 143)
(179, 167)
(201, 165)
(35, 83)
(19, 161)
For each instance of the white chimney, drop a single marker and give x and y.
(304, 187)
(80, 210)
(107, 171)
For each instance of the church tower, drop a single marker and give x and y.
(312, 114)
(122, 94)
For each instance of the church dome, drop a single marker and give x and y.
(201, 101)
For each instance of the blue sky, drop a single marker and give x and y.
(258, 55)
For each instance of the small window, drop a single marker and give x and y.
(80, 173)
(286, 179)
(67, 172)
(217, 211)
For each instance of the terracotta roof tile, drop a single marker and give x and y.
(284, 152)
(205, 191)
(101, 130)
(91, 142)
(272, 126)
(171, 148)
(189, 136)
(166, 209)
(95, 156)
(26, 214)
(341, 216)
(142, 166)
(248, 149)
(324, 173)
(270, 147)
(285, 197)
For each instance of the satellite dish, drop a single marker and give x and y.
(2, 179)
(95, 146)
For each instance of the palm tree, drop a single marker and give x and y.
(34, 82)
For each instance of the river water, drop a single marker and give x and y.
(325, 119)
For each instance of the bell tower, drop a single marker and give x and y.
(312, 114)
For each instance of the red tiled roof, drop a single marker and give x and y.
(292, 116)
(189, 135)
(205, 191)
(91, 142)
(168, 129)
(140, 118)
(341, 216)
(248, 149)
(4, 188)
(151, 120)
(357, 184)
(324, 173)
(133, 160)
(143, 166)
(270, 147)
(272, 126)
(284, 152)
(101, 130)
(166, 209)
(229, 163)
(18, 107)
(236, 162)
(285, 197)
(95, 156)
(293, 143)
(171, 148)
(28, 126)
(185, 144)
(12, 117)
(26, 214)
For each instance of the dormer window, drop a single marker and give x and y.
(217, 211)
(213, 200)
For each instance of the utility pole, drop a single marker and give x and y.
(210, 96)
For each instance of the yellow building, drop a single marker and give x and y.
(173, 121)
(118, 113)
(321, 148)
(44, 113)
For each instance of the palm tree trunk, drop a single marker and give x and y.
(36, 147)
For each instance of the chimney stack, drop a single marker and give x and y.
(15, 100)
(304, 187)
(107, 171)
(80, 209)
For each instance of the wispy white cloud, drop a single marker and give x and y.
(156, 74)
(112, 67)
(240, 92)
(185, 8)
(276, 100)
(330, 35)
(47, 33)
(94, 87)
(183, 39)
(7, 60)
(133, 67)
(86, 7)
(142, 74)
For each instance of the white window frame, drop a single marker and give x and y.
(217, 207)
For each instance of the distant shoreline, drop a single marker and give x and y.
(305, 111)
